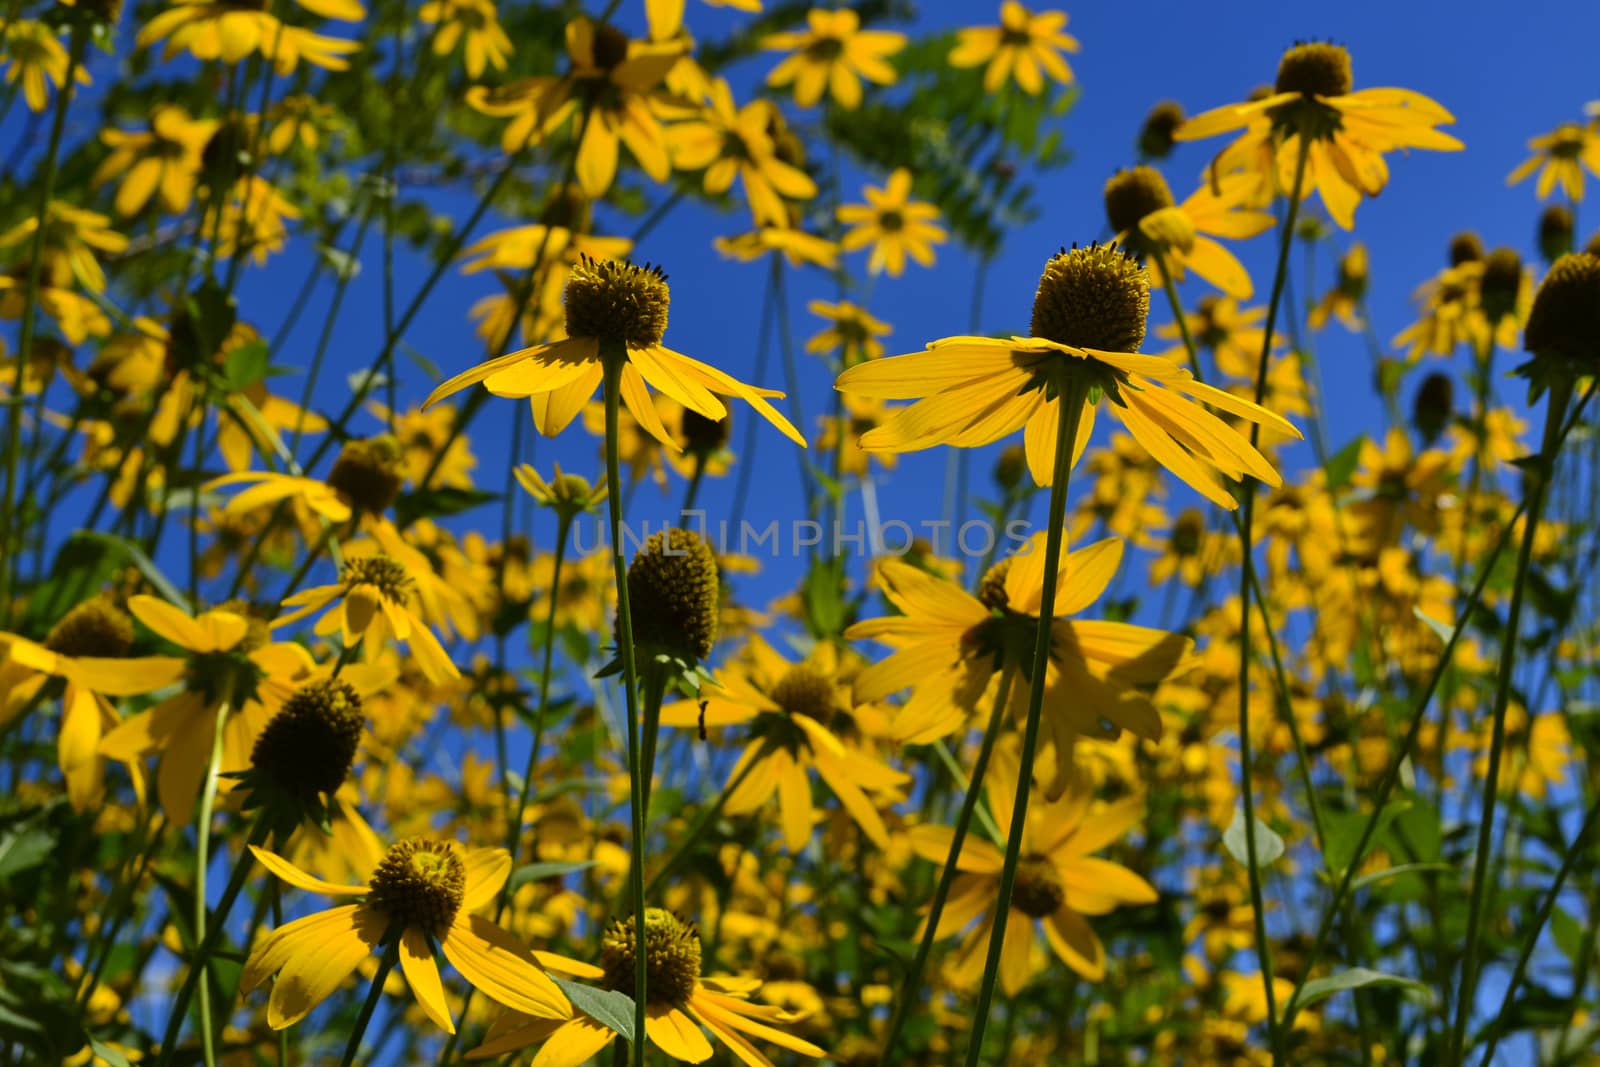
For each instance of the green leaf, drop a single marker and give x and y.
(1342, 464)
(23, 850)
(146, 566)
(605, 1006)
(1344, 833)
(1397, 872)
(1355, 978)
(438, 502)
(1269, 846)
(245, 365)
(109, 1054)
(1443, 629)
(538, 872)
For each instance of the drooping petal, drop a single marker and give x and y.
(288, 872)
(502, 967)
(422, 975)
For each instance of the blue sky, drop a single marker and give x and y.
(1475, 60)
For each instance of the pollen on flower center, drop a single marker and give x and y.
(615, 300)
(673, 594)
(1095, 297)
(992, 587)
(1565, 319)
(804, 691)
(672, 956)
(308, 746)
(420, 883)
(381, 572)
(1134, 193)
(1315, 69)
(97, 627)
(1038, 891)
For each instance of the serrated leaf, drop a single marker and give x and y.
(1269, 846)
(605, 1006)
(1357, 978)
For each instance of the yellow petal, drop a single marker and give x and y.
(487, 870)
(422, 974)
(674, 1033)
(316, 968)
(502, 968)
(288, 872)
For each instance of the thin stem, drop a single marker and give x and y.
(1560, 396)
(947, 877)
(208, 798)
(1391, 774)
(1546, 906)
(614, 356)
(207, 945)
(30, 299)
(1073, 395)
(703, 823)
(1246, 538)
(390, 957)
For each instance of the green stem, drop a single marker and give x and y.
(1246, 540)
(30, 299)
(703, 823)
(969, 805)
(1073, 394)
(208, 944)
(391, 955)
(614, 356)
(208, 799)
(1546, 906)
(1560, 396)
(1391, 774)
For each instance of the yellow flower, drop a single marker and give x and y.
(853, 332)
(421, 435)
(610, 301)
(1024, 46)
(790, 709)
(728, 143)
(893, 224)
(1089, 317)
(835, 53)
(618, 79)
(32, 53)
(374, 596)
(679, 1002)
(475, 22)
(1347, 131)
(229, 669)
(422, 893)
(166, 159)
(72, 236)
(1059, 881)
(1343, 301)
(796, 246)
(666, 16)
(1139, 206)
(1233, 335)
(88, 650)
(230, 30)
(950, 646)
(1561, 157)
(255, 219)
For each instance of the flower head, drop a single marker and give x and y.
(833, 53)
(1025, 46)
(1088, 318)
(612, 305)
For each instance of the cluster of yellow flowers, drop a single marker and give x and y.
(1173, 774)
